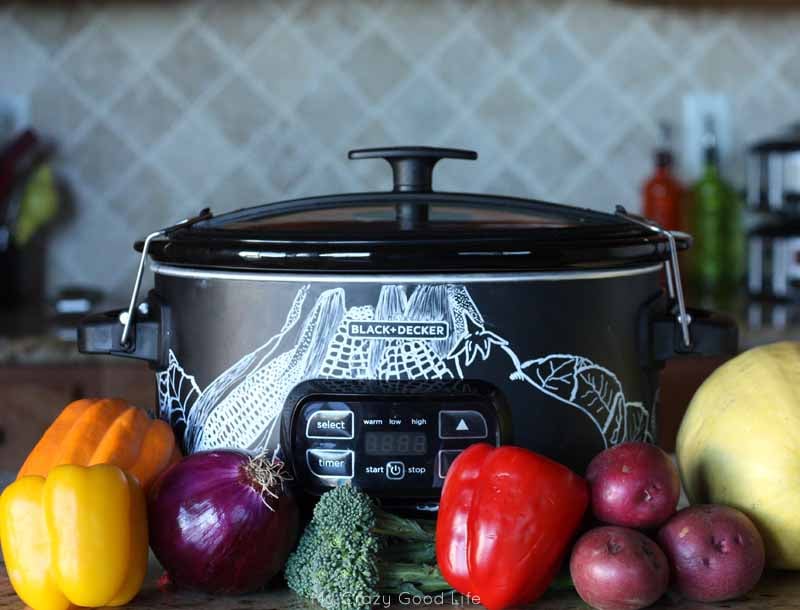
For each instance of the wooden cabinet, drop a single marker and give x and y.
(31, 397)
(679, 381)
(719, 4)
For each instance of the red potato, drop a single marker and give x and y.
(715, 552)
(634, 485)
(616, 568)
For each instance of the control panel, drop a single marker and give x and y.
(391, 439)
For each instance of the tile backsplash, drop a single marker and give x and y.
(160, 108)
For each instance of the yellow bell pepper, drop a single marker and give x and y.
(77, 537)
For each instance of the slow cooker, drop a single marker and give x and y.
(371, 337)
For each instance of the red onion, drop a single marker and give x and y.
(222, 522)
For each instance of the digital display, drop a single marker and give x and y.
(395, 443)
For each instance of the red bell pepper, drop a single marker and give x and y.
(506, 517)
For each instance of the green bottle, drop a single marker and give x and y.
(716, 225)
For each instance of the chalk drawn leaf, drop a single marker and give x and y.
(591, 388)
(555, 373)
(598, 390)
(177, 392)
(640, 424)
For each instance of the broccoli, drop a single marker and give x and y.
(353, 551)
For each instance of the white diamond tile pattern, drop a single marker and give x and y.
(99, 65)
(285, 156)
(467, 63)
(22, 60)
(552, 67)
(240, 111)
(196, 153)
(332, 26)
(56, 110)
(511, 26)
(640, 65)
(159, 108)
(52, 29)
(600, 112)
(101, 159)
(147, 111)
(552, 158)
(192, 64)
(234, 24)
(376, 67)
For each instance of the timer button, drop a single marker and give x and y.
(462, 424)
(330, 424)
(330, 463)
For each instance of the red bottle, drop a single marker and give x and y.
(662, 193)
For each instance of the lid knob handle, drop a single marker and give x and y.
(412, 166)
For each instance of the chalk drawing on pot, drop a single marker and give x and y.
(435, 332)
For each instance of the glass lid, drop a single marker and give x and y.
(411, 229)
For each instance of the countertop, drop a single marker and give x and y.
(28, 338)
(776, 591)
(40, 349)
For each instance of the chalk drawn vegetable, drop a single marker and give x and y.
(241, 407)
(476, 341)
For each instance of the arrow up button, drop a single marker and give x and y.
(462, 424)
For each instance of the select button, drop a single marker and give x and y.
(462, 424)
(330, 463)
(330, 424)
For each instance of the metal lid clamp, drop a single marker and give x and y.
(127, 317)
(671, 268)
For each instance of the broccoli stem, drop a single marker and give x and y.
(396, 576)
(387, 524)
(562, 582)
(409, 552)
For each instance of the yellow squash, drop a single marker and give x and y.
(77, 537)
(739, 444)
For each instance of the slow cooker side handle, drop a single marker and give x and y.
(712, 334)
(102, 333)
(671, 268)
(139, 331)
(684, 331)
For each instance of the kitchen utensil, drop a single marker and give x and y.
(371, 337)
(70, 306)
(22, 213)
(13, 156)
(773, 173)
(774, 260)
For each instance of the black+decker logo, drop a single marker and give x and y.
(398, 330)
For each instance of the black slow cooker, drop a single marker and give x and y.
(371, 337)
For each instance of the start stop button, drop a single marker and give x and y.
(330, 424)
